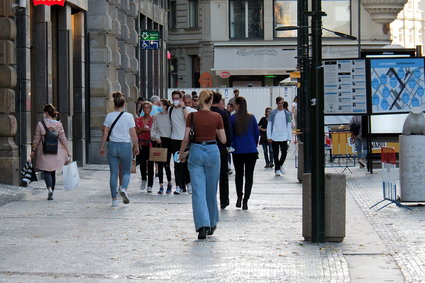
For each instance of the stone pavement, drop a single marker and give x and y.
(78, 237)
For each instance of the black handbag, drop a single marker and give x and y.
(192, 129)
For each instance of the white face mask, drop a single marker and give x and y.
(176, 102)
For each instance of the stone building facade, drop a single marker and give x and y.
(42, 61)
(117, 62)
(239, 37)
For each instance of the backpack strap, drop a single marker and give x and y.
(45, 127)
(113, 124)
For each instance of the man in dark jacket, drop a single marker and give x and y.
(224, 176)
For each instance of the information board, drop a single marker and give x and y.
(345, 86)
(149, 39)
(397, 84)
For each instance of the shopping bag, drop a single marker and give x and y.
(28, 173)
(71, 178)
(133, 165)
(158, 154)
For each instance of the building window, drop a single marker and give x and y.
(285, 14)
(246, 19)
(337, 19)
(338, 16)
(193, 13)
(172, 15)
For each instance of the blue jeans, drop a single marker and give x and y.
(360, 147)
(119, 152)
(268, 154)
(204, 168)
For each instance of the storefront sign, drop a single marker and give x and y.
(49, 2)
(224, 75)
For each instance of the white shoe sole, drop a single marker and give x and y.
(124, 197)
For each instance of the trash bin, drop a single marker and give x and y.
(412, 157)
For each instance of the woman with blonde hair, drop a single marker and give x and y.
(204, 163)
(49, 162)
(120, 132)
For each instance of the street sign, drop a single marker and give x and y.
(224, 75)
(149, 39)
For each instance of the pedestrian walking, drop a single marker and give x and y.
(267, 147)
(161, 134)
(143, 130)
(120, 132)
(224, 168)
(245, 136)
(357, 139)
(204, 163)
(178, 115)
(236, 95)
(279, 134)
(50, 155)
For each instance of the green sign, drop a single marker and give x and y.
(149, 35)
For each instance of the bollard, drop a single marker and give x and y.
(335, 195)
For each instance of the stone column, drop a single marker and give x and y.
(23, 91)
(79, 118)
(9, 154)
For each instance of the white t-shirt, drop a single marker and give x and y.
(281, 128)
(121, 130)
(178, 124)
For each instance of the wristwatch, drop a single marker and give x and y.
(184, 107)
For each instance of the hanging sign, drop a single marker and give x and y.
(49, 2)
(224, 75)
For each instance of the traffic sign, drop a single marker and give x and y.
(149, 39)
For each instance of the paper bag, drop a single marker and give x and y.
(158, 154)
(133, 166)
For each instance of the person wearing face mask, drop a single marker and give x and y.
(178, 115)
(161, 134)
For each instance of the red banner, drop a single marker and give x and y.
(49, 2)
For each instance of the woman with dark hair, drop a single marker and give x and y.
(161, 134)
(143, 130)
(50, 162)
(204, 163)
(245, 135)
(120, 132)
(267, 147)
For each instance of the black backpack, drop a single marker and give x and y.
(51, 141)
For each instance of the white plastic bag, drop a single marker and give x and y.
(71, 178)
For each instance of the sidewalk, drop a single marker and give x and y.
(78, 237)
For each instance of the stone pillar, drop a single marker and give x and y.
(9, 154)
(79, 118)
(335, 207)
(23, 91)
(41, 62)
(64, 77)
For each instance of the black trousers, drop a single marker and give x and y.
(143, 159)
(283, 147)
(181, 172)
(224, 177)
(165, 143)
(50, 179)
(244, 165)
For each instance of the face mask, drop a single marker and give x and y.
(159, 108)
(176, 102)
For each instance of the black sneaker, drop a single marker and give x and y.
(50, 195)
(202, 233)
(211, 230)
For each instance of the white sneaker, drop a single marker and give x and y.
(282, 171)
(143, 185)
(278, 173)
(115, 203)
(124, 195)
(189, 188)
(178, 190)
(149, 189)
